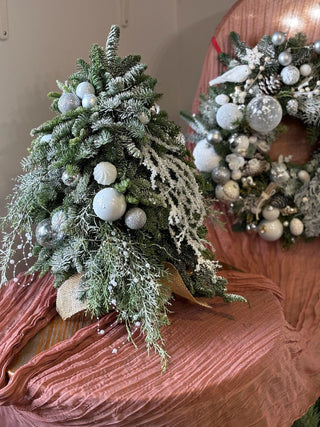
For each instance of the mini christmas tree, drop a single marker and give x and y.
(108, 193)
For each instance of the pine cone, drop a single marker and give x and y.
(279, 200)
(270, 85)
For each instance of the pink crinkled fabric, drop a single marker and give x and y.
(232, 366)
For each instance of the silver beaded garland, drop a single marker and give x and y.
(278, 38)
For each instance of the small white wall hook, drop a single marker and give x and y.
(124, 13)
(3, 20)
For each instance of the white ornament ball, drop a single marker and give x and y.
(228, 115)
(264, 113)
(109, 204)
(46, 138)
(270, 213)
(236, 175)
(67, 102)
(105, 173)
(296, 227)
(222, 99)
(285, 58)
(278, 38)
(89, 100)
(84, 88)
(305, 70)
(270, 230)
(290, 75)
(304, 176)
(205, 157)
(229, 192)
(135, 218)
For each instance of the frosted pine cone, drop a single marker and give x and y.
(270, 85)
(279, 200)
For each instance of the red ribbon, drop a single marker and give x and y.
(215, 44)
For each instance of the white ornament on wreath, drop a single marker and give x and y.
(105, 173)
(228, 115)
(270, 230)
(109, 204)
(296, 227)
(205, 156)
(84, 88)
(264, 113)
(89, 100)
(290, 75)
(68, 102)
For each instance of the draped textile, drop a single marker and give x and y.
(231, 366)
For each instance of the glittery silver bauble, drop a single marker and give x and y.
(270, 230)
(70, 179)
(316, 46)
(290, 75)
(270, 213)
(135, 218)
(144, 119)
(84, 88)
(222, 99)
(109, 204)
(285, 58)
(105, 173)
(220, 175)
(44, 233)
(296, 227)
(68, 101)
(305, 70)
(214, 136)
(205, 157)
(89, 100)
(292, 107)
(264, 113)
(228, 115)
(239, 144)
(278, 38)
(58, 222)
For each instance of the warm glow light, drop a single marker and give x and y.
(315, 12)
(292, 22)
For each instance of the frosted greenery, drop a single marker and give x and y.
(122, 267)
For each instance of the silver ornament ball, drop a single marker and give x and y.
(58, 223)
(135, 218)
(285, 58)
(316, 46)
(84, 88)
(89, 100)
(214, 136)
(290, 75)
(68, 102)
(220, 175)
(44, 233)
(70, 179)
(264, 113)
(278, 38)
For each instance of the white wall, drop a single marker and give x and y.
(46, 37)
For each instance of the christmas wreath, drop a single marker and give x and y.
(109, 195)
(241, 117)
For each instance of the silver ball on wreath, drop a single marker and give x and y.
(58, 223)
(205, 156)
(135, 218)
(109, 204)
(285, 58)
(239, 143)
(228, 115)
(292, 107)
(214, 136)
(70, 178)
(105, 173)
(89, 100)
(67, 102)
(84, 88)
(220, 175)
(316, 46)
(290, 75)
(278, 38)
(264, 113)
(44, 233)
(305, 70)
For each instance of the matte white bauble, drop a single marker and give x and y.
(236, 175)
(67, 102)
(228, 115)
(264, 113)
(290, 75)
(135, 218)
(270, 213)
(89, 100)
(222, 99)
(205, 157)
(109, 204)
(229, 192)
(270, 230)
(105, 173)
(84, 88)
(296, 227)
(305, 70)
(303, 176)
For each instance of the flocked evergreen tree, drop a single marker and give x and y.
(108, 192)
